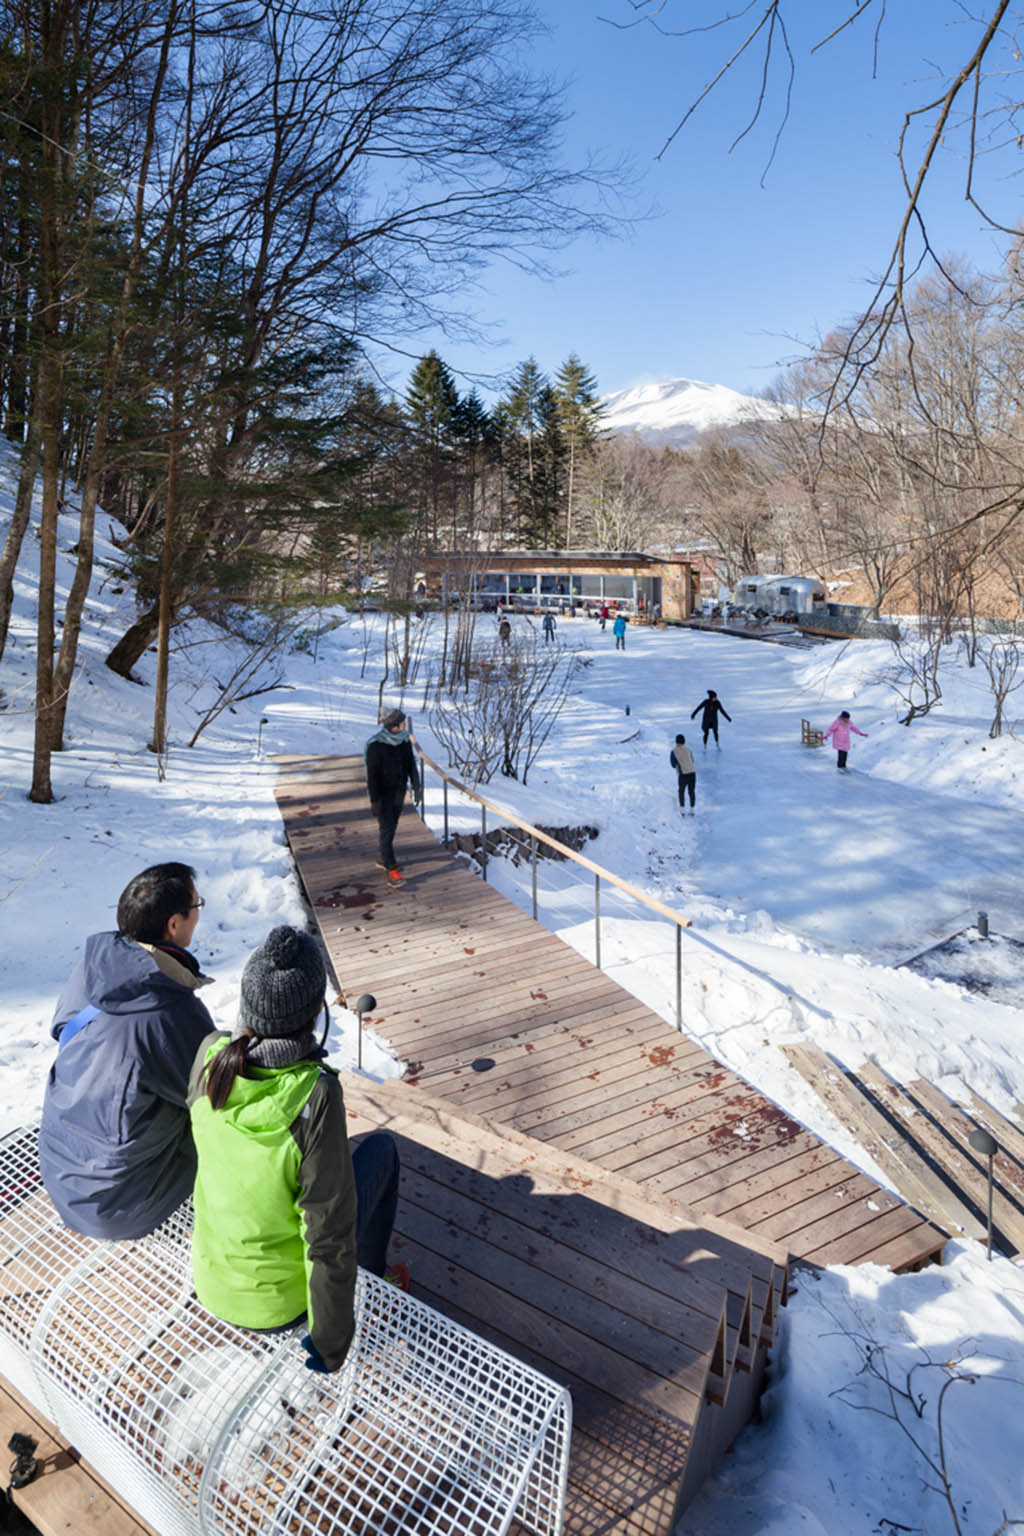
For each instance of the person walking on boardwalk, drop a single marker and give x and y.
(115, 1148)
(390, 766)
(709, 710)
(619, 631)
(839, 731)
(284, 1211)
(549, 627)
(681, 759)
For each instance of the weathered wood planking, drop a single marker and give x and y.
(462, 975)
(657, 1323)
(66, 1493)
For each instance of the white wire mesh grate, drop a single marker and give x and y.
(205, 1427)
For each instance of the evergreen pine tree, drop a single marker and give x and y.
(530, 455)
(431, 409)
(579, 417)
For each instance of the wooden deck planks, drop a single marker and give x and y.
(66, 1493)
(460, 973)
(581, 1274)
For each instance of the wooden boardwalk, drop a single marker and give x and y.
(463, 978)
(658, 1324)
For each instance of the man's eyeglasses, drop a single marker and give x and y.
(197, 904)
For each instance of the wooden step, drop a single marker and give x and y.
(66, 1495)
(648, 1313)
(911, 1176)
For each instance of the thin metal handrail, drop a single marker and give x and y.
(597, 870)
(563, 848)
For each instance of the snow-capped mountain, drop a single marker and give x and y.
(677, 410)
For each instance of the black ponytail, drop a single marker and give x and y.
(221, 1070)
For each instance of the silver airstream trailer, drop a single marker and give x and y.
(750, 592)
(803, 595)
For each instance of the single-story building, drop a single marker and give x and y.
(557, 578)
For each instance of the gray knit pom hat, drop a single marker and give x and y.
(391, 719)
(283, 984)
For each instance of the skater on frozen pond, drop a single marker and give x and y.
(839, 731)
(390, 766)
(549, 627)
(709, 710)
(619, 631)
(283, 1210)
(681, 759)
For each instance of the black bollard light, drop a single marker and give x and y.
(983, 925)
(365, 1003)
(259, 733)
(987, 1145)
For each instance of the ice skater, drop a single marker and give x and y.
(839, 731)
(619, 631)
(709, 710)
(681, 759)
(549, 627)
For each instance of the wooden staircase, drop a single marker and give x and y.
(658, 1320)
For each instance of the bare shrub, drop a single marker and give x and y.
(514, 695)
(1002, 660)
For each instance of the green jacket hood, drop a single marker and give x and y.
(270, 1100)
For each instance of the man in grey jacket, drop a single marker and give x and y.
(115, 1145)
(681, 759)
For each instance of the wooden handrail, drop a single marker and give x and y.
(552, 842)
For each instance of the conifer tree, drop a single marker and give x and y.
(579, 418)
(531, 455)
(431, 408)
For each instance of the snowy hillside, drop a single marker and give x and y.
(675, 411)
(804, 887)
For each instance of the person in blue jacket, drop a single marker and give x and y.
(619, 631)
(115, 1145)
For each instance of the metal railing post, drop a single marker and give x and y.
(445, 785)
(597, 921)
(483, 841)
(533, 874)
(679, 978)
(423, 769)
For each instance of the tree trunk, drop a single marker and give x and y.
(19, 522)
(134, 643)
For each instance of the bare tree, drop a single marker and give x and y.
(623, 493)
(517, 693)
(1002, 660)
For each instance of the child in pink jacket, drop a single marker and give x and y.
(840, 730)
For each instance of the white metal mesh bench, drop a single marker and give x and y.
(204, 1427)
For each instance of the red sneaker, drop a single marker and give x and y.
(395, 876)
(398, 1275)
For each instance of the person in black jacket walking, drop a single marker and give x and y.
(390, 766)
(709, 710)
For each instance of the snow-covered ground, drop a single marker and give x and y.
(804, 887)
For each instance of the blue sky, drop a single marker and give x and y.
(732, 275)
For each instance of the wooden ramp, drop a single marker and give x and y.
(465, 980)
(657, 1323)
(922, 1139)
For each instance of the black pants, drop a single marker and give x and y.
(620, 642)
(711, 730)
(387, 815)
(840, 757)
(687, 781)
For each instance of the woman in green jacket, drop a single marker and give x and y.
(283, 1210)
